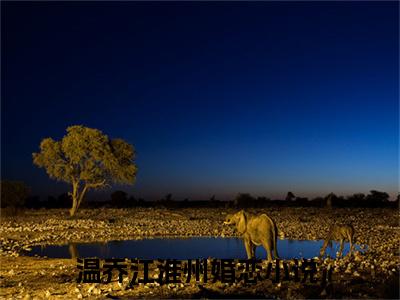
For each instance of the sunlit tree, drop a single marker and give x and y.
(87, 159)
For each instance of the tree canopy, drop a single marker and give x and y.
(87, 159)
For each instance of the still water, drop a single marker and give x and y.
(187, 248)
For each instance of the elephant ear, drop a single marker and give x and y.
(242, 224)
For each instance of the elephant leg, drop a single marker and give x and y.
(270, 255)
(248, 246)
(351, 246)
(341, 248)
(268, 250)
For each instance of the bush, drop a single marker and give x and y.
(13, 194)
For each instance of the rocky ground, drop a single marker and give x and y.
(373, 274)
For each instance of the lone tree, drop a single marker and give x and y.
(290, 196)
(87, 159)
(329, 200)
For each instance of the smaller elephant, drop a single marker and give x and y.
(338, 233)
(255, 231)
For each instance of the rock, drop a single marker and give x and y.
(90, 289)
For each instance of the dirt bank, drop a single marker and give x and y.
(373, 274)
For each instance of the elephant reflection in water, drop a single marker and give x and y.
(255, 231)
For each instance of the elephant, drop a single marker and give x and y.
(255, 231)
(338, 233)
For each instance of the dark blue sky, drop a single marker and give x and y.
(217, 98)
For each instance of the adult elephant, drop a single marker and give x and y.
(255, 231)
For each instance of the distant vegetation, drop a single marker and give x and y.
(87, 159)
(15, 195)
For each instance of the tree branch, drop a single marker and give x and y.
(82, 194)
(95, 185)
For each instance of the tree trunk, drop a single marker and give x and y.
(73, 251)
(75, 198)
(74, 208)
(82, 194)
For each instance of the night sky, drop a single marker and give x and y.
(217, 98)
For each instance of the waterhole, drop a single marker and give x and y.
(184, 248)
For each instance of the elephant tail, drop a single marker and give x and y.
(275, 241)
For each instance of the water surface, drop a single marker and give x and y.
(186, 248)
